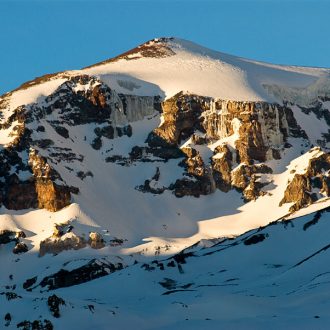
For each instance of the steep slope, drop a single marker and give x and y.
(276, 276)
(120, 162)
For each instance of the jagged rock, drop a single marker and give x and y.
(20, 195)
(106, 131)
(195, 166)
(259, 126)
(35, 325)
(147, 188)
(81, 99)
(43, 143)
(59, 230)
(255, 239)
(241, 176)
(40, 128)
(29, 282)
(298, 192)
(189, 152)
(65, 242)
(253, 190)
(143, 154)
(250, 145)
(94, 269)
(96, 240)
(39, 191)
(54, 303)
(7, 236)
(118, 159)
(62, 131)
(181, 115)
(20, 248)
(7, 319)
(156, 176)
(222, 166)
(64, 239)
(11, 295)
(149, 185)
(50, 195)
(186, 187)
(82, 175)
(294, 129)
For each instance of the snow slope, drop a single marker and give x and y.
(274, 277)
(206, 72)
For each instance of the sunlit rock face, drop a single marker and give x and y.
(80, 100)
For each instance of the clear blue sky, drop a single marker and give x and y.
(45, 36)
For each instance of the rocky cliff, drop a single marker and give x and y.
(29, 179)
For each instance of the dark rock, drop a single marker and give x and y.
(29, 282)
(82, 175)
(7, 319)
(97, 143)
(61, 131)
(185, 187)
(299, 192)
(106, 131)
(94, 269)
(10, 295)
(222, 167)
(54, 302)
(43, 144)
(35, 325)
(40, 128)
(7, 236)
(20, 248)
(257, 238)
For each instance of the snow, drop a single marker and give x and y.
(314, 127)
(239, 286)
(35, 93)
(7, 135)
(205, 72)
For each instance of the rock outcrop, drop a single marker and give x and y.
(64, 239)
(258, 130)
(80, 100)
(9, 236)
(92, 270)
(39, 191)
(306, 188)
(54, 302)
(222, 161)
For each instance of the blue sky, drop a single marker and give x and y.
(39, 37)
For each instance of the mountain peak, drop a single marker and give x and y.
(122, 163)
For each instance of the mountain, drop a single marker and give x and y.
(139, 191)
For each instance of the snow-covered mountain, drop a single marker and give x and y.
(132, 190)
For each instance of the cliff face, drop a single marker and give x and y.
(261, 128)
(308, 187)
(253, 133)
(221, 144)
(29, 179)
